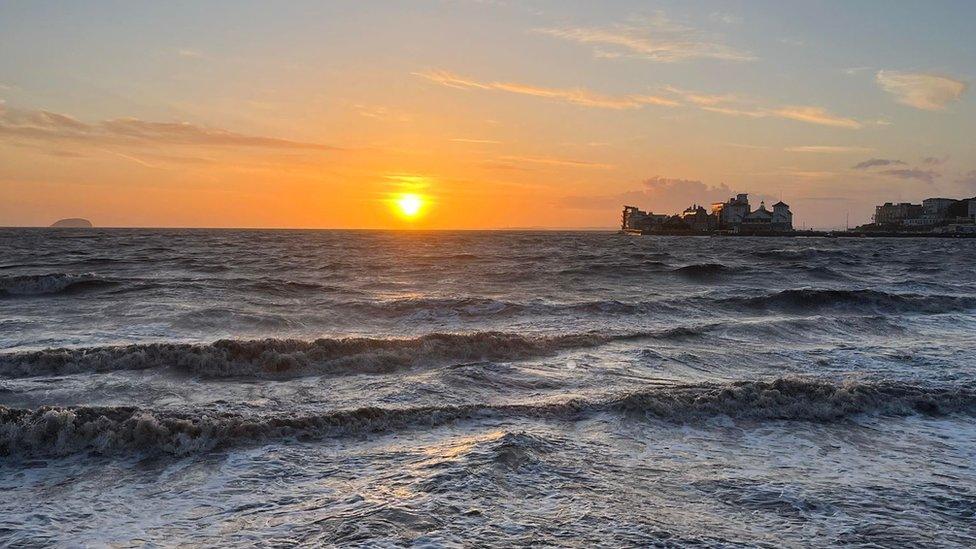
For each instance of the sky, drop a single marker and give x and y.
(495, 114)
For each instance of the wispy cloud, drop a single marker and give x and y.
(379, 112)
(476, 141)
(131, 158)
(968, 179)
(727, 104)
(929, 92)
(827, 149)
(190, 54)
(50, 126)
(927, 176)
(576, 96)
(874, 162)
(934, 160)
(703, 99)
(724, 17)
(816, 115)
(554, 161)
(735, 111)
(810, 115)
(654, 38)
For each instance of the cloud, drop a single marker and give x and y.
(50, 126)
(810, 115)
(379, 112)
(476, 141)
(652, 38)
(816, 115)
(875, 162)
(968, 179)
(923, 91)
(732, 111)
(703, 99)
(827, 149)
(726, 104)
(934, 160)
(927, 176)
(553, 161)
(657, 194)
(723, 17)
(190, 54)
(576, 96)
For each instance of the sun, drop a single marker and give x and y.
(409, 205)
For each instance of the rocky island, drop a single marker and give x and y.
(73, 223)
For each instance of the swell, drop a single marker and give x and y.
(483, 307)
(291, 357)
(804, 254)
(807, 299)
(792, 300)
(50, 284)
(703, 270)
(55, 431)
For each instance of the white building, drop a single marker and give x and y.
(782, 217)
(732, 212)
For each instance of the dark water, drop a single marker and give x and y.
(485, 389)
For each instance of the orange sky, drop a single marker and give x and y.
(532, 114)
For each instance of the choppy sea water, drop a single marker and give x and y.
(485, 389)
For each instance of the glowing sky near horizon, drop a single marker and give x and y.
(536, 113)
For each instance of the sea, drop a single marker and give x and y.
(276, 388)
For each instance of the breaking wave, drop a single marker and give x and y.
(289, 357)
(48, 284)
(56, 431)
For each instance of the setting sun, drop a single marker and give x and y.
(409, 205)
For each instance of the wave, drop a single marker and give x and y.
(57, 431)
(289, 357)
(807, 299)
(616, 268)
(49, 284)
(484, 307)
(703, 270)
(803, 254)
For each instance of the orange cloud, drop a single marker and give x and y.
(653, 38)
(816, 115)
(577, 96)
(51, 126)
(923, 91)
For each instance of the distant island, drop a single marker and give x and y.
(73, 223)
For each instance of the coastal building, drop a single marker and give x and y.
(938, 215)
(635, 219)
(732, 212)
(893, 214)
(782, 217)
(733, 216)
(936, 207)
(760, 219)
(699, 219)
